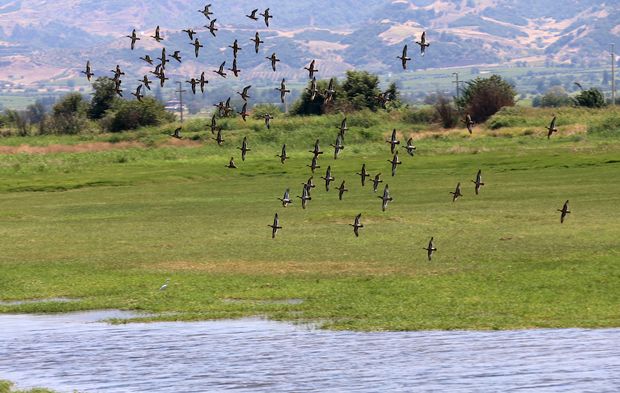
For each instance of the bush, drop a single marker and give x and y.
(361, 90)
(447, 114)
(129, 115)
(608, 126)
(483, 97)
(555, 97)
(259, 111)
(420, 116)
(305, 106)
(592, 98)
(104, 97)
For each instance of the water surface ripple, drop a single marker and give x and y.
(74, 351)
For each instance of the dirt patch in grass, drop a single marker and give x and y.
(91, 147)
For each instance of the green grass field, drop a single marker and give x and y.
(108, 227)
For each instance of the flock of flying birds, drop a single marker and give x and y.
(225, 109)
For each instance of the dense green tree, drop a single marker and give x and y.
(555, 97)
(129, 115)
(306, 106)
(483, 97)
(104, 97)
(591, 98)
(361, 89)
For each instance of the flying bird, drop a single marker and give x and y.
(176, 55)
(157, 37)
(253, 15)
(88, 72)
(234, 68)
(283, 90)
(430, 249)
(330, 91)
(311, 69)
(283, 157)
(343, 127)
(478, 182)
(266, 16)
(221, 71)
(257, 41)
(423, 44)
(469, 123)
(244, 148)
(267, 118)
(305, 196)
(565, 210)
(286, 199)
(385, 198)
(403, 58)
(203, 81)
(218, 138)
(231, 164)
(177, 133)
(244, 111)
(190, 33)
(357, 225)
(148, 59)
(274, 60)
(213, 125)
(193, 82)
(146, 82)
(314, 165)
(328, 177)
(457, 192)
(313, 89)
(363, 174)
(395, 163)
(206, 11)
(317, 149)
(341, 190)
(134, 37)
(244, 93)
(410, 147)
(235, 47)
(163, 287)
(376, 181)
(212, 28)
(137, 94)
(552, 128)
(197, 45)
(338, 146)
(393, 141)
(275, 226)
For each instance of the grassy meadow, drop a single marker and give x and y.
(110, 223)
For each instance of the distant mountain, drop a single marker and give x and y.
(44, 40)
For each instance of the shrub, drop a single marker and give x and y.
(129, 115)
(361, 90)
(555, 97)
(104, 97)
(483, 97)
(607, 126)
(425, 115)
(258, 112)
(591, 98)
(447, 114)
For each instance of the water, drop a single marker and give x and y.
(73, 351)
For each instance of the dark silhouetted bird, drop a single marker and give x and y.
(253, 15)
(176, 55)
(376, 181)
(283, 157)
(430, 249)
(342, 130)
(206, 11)
(190, 33)
(338, 146)
(221, 71)
(478, 182)
(469, 123)
(393, 141)
(457, 192)
(286, 199)
(197, 45)
(305, 196)
(88, 72)
(410, 147)
(145, 80)
(228, 109)
(317, 149)
(267, 117)
(363, 174)
(283, 90)
(403, 58)
(309, 184)
(311, 69)
(328, 177)
(212, 28)
(330, 91)
(552, 128)
(177, 133)
(218, 138)
(341, 190)
(148, 59)
(565, 210)
(193, 82)
(244, 93)
(244, 111)
(235, 47)
(274, 60)
(231, 164)
(266, 15)
(236, 71)
(138, 93)
(314, 165)
(163, 58)
(313, 89)
(257, 41)
(162, 78)
(385, 198)
(275, 226)
(157, 37)
(203, 81)
(213, 125)
(357, 225)
(117, 72)
(134, 37)
(423, 44)
(244, 148)
(395, 163)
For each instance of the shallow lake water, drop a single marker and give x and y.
(77, 351)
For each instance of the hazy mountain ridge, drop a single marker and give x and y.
(58, 35)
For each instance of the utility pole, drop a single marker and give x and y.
(181, 91)
(458, 86)
(613, 76)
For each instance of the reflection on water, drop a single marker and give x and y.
(74, 351)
